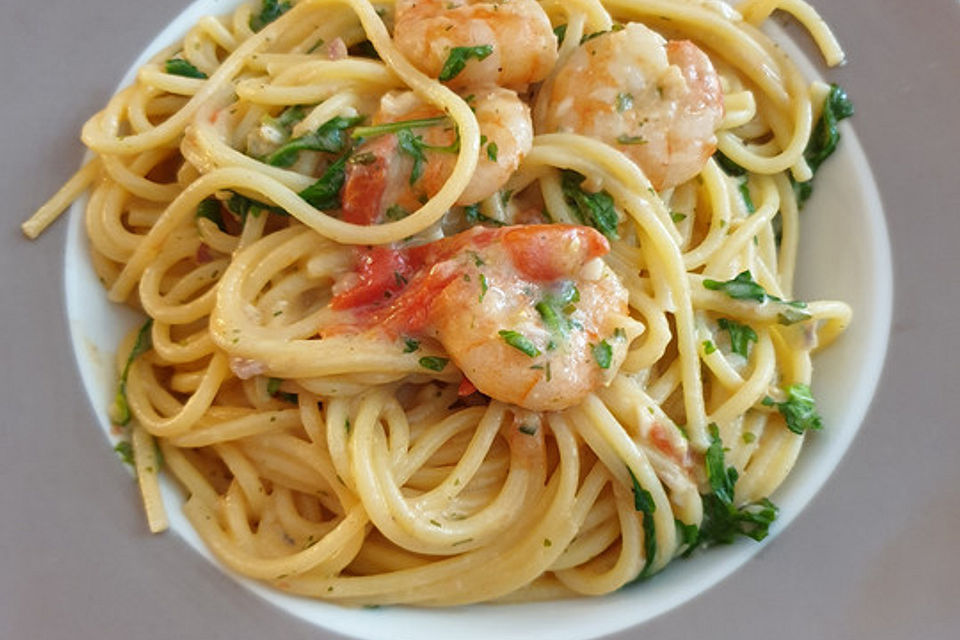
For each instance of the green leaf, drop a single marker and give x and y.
(433, 363)
(410, 345)
(743, 287)
(492, 151)
(740, 336)
(125, 450)
(457, 60)
(328, 138)
(561, 32)
(412, 145)
(677, 217)
(708, 347)
(473, 216)
(729, 166)
(270, 10)
(556, 305)
(520, 342)
(244, 206)
(181, 67)
(824, 138)
(325, 192)
(595, 209)
(800, 409)
(211, 209)
(603, 354)
(120, 411)
(744, 189)
(376, 130)
(643, 502)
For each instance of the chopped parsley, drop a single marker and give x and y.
(799, 410)
(473, 216)
(434, 363)
(677, 217)
(483, 286)
(824, 138)
(325, 192)
(729, 166)
(744, 188)
(594, 209)
(708, 347)
(723, 521)
(328, 138)
(520, 342)
(625, 139)
(181, 67)
(120, 411)
(740, 336)
(457, 60)
(243, 206)
(603, 354)
(270, 10)
(743, 287)
(410, 345)
(643, 502)
(492, 151)
(557, 305)
(210, 209)
(413, 146)
(624, 102)
(125, 450)
(561, 32)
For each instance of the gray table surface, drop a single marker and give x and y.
(874, 556)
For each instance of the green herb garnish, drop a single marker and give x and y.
(125, 450)
(410, 345)
(520, 342)
(743, 287)
(624, 102)
(181, 67)
(740, 336)
(824, 138)
(643, 502)
(120, 411)
(433, 363)
(603, 354)
(799, 410)
(457, 60)
(270, 10)
(595, 209)
(325, 192)
(328, 138)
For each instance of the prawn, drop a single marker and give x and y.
(658, 102)
(512, 41)
(385, 177)
(530, 314)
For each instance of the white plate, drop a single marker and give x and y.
(844, 254)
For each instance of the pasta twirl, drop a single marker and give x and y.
(516, 334)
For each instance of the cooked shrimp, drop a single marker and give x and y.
(658, 102)
(530, 314)
(523, 47)
(384, 174)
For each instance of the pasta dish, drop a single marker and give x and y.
(452, 301)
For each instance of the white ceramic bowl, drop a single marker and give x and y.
(844, 254)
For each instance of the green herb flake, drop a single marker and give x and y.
(520, 342)
(603, 354)
(624, 102)
(125, 450)
(273, 385)
(527, 429)
(643, 502)
(824, 138)
(324, 194)
(625, 139)
(561, 32)
(330, 137)
(677, 217)
(740, 336)
(729, 167)
(744, 189)
(270, 10)
(748, 437)
(211, 209)
(473, 216)
(433, 363)
(708, 347)
(181, 67)
(457, 60)
(799, 410)
(410, 345)
(120, 411)
(743, 287)
(492, 151)
(595, 209)
(483, 286)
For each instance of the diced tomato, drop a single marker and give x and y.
(382, 271)
(466, 388)
(366, 181)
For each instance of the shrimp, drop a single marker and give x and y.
(658, 102)
(523, 45)
(530, 314)
(385, 174)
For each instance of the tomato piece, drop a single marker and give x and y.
(543, 254)
(381, 273)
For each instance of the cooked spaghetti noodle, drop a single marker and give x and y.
(329, 444)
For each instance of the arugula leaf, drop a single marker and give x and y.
(744, 189)
(287, 118)
(520, 342)
(244, 206)
(595, 209)
(325, 192)
(120, 411)
(723, 521)
(824, 137)
(729, 166)
(740, 336)
(211, 209)
(603, 354)
(181, 67)
(457, 60)
(270, 10)
(643, 502)
(473, 216)
(413, 145)
(375, 130)
(799, 410)
(433, 363)
(561, 32)
(743, 287)
(329, 138)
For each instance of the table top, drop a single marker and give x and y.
(874, 555)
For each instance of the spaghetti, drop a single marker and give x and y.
(325, 423)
